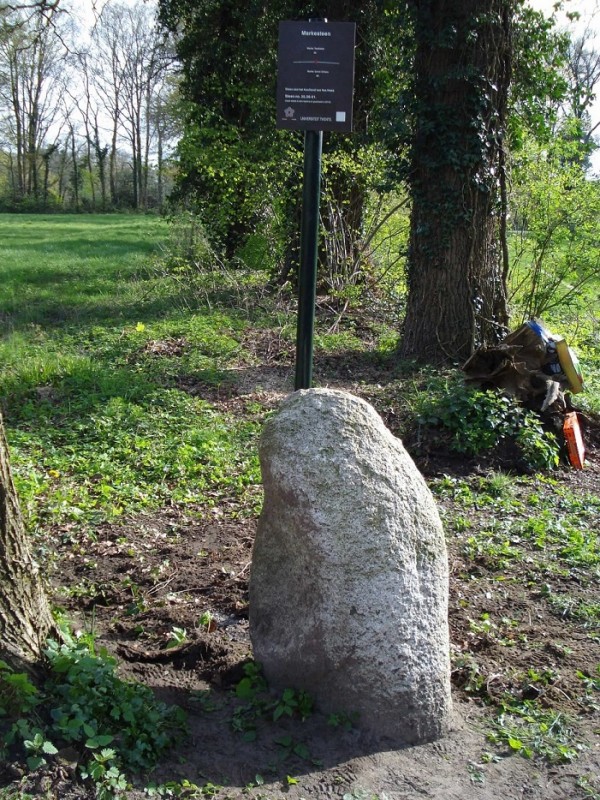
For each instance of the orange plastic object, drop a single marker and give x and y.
(574, 440)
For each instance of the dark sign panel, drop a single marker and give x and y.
(315, 78)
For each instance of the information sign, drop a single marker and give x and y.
(315, 76)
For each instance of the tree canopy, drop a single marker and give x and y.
(445, 92)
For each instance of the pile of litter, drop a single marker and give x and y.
(540, 370)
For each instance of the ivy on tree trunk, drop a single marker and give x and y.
(457, 292)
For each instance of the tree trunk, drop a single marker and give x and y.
(112, 165)
(62, 168)
(18, 122)
(159, 166)
(25, 617)
(46, 178)
(75, 170)
(101, 154)
(90, 166)
(457, 292)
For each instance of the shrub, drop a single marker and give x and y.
(478, 420)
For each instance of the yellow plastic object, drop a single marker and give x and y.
(569, 364)
(574, 440)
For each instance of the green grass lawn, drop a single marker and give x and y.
(97, 423)
(72, 268)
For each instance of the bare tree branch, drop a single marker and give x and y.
(35, 5)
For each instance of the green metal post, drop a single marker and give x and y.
(309, 243)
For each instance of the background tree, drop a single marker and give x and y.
(131, 64)
(104, 95)
(31, 7)
(31, 69)
(555, 211)
(583, 76)
(235, 167)
(109, 64)
(89, 111)
(228, 151)
(554, 202)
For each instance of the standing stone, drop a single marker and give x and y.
(349, 581)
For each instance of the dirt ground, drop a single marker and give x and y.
(140, 579)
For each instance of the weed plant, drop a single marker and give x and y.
(115, 728)
(258, 704)
(124, 455)
(530, 730)
(563, 533)
(476, 420)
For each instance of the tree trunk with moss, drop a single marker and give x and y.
(25, 616)
(457, 292)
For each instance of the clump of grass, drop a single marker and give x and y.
(574, 608)
(125, 455)
(531, 730)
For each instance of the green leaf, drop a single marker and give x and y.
(245, 689)
(515, 744)
(302, 751)
(35, 762)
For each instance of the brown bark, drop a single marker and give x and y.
(457, 293)
(25, 617)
